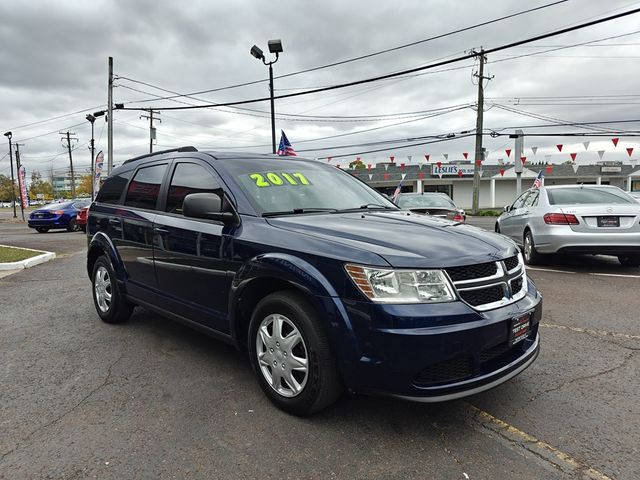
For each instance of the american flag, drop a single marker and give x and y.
(537, 183)
(285, 149)
(398, 190)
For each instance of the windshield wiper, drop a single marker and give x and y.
(368, 206)
(298, 211)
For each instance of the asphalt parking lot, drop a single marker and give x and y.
(153, 399)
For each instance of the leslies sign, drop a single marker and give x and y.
(451, 170)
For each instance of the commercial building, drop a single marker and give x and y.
(497, 182)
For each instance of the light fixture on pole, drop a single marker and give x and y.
(92, 118)
(13, 192)
(275, 46)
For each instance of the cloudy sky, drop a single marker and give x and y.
(54, 71)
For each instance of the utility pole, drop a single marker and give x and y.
(18, 165)
(152, 129)
(13, 190)
(517, 151)
(110, 118)
(73, 178)
(479, 153)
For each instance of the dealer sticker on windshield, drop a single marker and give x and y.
(276, 179)
(519, 328)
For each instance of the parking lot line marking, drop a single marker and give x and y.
(549, 270)
(557, 458)
(615, 275)
(601, 333)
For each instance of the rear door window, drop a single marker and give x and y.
(144, 189)
(189, 178)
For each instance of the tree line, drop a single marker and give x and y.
(40, 186)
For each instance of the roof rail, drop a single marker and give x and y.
(179, 149)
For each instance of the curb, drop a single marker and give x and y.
(29, 262)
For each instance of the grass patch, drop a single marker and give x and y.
(13, 254)
(489, 213)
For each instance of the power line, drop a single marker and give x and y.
(417, 69)
(361, 57)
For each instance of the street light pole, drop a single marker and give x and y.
(13, 192)
(273, 111)
(275, 46)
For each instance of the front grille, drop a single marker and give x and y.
(516, 285)
(470, 272)
(482, 296)
(511, 262)
(456, 368)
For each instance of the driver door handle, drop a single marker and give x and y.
(160, 230)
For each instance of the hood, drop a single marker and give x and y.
(404, 239)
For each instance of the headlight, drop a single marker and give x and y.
(401, 286)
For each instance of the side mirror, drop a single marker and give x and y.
(507, 208)
(207, 206)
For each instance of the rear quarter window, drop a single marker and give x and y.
(112, 188)
(578, 196)
(144, 189)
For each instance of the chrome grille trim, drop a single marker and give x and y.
(502, 278)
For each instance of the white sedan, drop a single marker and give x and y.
(574, 219)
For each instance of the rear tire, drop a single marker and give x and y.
(497, 227)
(291, 356)
(72, 226)
(42, 229)
(111, 305)
(629, 260)
(531, 256)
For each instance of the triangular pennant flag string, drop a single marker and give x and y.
(465, 155)
(403, 176)
(386, 167)
(600, 153)
(392, 159)
(439, 164)
(420, 175)
(629, 151)
(523, 160)
(409, 157)
(575, 168)
(446, 156)
(328, 159)
(508, 152)
(573, 156)
(368, 166)
(460, 173)
(370, 176)
(427, 157)
(502, 172)
(559, 146)
(402, 167)
(534, 150)
(586, 145)
(615, 141)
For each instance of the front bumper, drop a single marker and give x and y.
(439, 352)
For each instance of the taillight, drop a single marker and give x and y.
(560, 219)
(458, 218)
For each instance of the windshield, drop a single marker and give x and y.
(285, 185)
(424, 201)
(586, 195)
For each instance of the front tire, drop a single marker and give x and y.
(531, 256)
(111, 305)
(629, 260)
(497, 227)
(42, 229)
(291, 356)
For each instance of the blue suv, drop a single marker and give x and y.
(324, 282)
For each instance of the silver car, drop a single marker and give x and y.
(574, 219)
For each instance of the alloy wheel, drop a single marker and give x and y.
(102, 288)
(282, 355)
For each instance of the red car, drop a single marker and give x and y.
(81, 219)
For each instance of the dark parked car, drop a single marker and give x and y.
(57, 215)
(325, 283)
(431, 203)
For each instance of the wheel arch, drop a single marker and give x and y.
(274, 272)
(100, 245)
